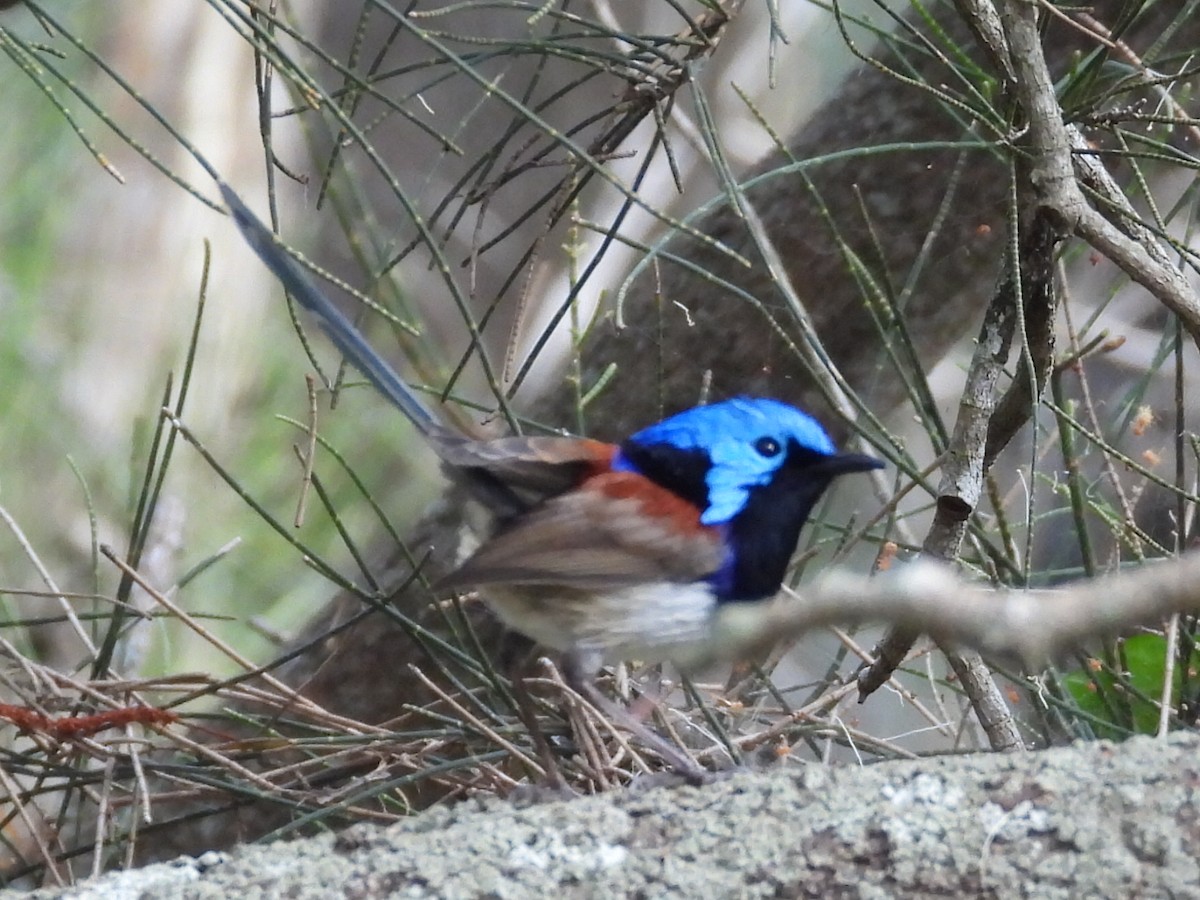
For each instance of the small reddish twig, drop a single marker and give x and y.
(65, 728)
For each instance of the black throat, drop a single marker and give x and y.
(763, 536)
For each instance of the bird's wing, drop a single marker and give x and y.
(617, 529)
(533, 468)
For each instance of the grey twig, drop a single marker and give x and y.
(1031, 626)
(1134, 249)
(963, 472)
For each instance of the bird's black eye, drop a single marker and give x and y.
(767, 446)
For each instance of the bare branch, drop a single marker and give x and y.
(1031, 626)
(1053, 176)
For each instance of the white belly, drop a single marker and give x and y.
(658, 622)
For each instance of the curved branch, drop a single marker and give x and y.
(1031, 626)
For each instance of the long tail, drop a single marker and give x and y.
(333, 322)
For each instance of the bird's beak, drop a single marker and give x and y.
(843, 463)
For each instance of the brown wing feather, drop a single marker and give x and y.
(618, 529)
(535, 467)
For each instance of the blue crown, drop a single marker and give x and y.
(745, 441)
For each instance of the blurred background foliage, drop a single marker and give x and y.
(100, 287)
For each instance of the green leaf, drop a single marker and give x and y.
(1102, 696)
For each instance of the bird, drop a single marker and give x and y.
(606, 552)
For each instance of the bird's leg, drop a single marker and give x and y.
(578, 677)
(545, 754)
(516, 654)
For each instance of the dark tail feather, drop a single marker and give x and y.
(487, 486)
(333, 322)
